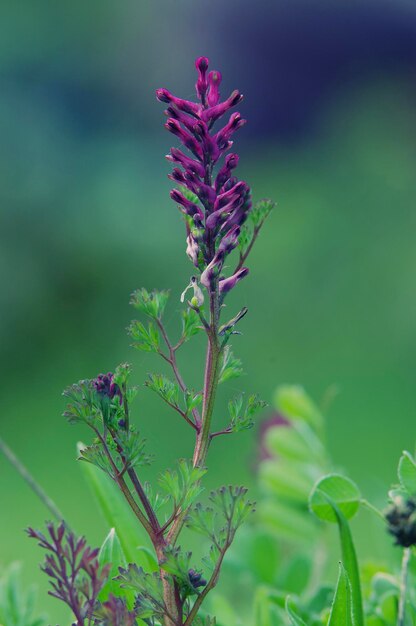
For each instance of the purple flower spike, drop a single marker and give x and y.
(215, 203)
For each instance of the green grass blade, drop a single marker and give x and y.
(342, 610)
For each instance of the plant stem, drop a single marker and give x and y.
(212, 371)
(33, 484)
(403, 587)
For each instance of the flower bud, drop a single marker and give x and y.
(226, 284)
(401, 520)
(201, 85)
(214, 82)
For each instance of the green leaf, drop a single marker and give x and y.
(17, 604)
(165, 388)
(261, 210)
(82, 404)
(266, 601)
(182, 485)
(292, 482)
(294, 618)
(145, 339)
(243, 418)
(293, 402)
(231, 367)
(191, 324)
(346, 492)
(151, 303)
(147, 586)
(111, 553)
(407, 473)
(95, 455)
(298, 442)
(133, 446)
(291, 523)
(116, 512)
(337, 489)
(342, 609)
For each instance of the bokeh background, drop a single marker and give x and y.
(330, 95)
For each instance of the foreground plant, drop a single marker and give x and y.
(219, 219)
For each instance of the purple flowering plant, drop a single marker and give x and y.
(221, 226)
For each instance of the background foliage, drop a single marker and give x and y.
(86, 219)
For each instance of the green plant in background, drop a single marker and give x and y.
(284, 559)
(16, 604)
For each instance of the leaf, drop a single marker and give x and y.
(17, 604)
(231, 367)
(293, 402)
(337, 489)
(293, 482)
(298, 442)
(243, 418)
(145, 339)
(266, 599)
(294, 618)
(342, 610)
(407, 473)
(291, 523)
(111, 553)
(261, 210)
(191, 324)
(151, 303)
(183, 484)
(165, 388)
(343, 490)
(116, 511)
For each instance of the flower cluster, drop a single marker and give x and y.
(196, 579)
(401, 519)
(215, 206)
(104, 385)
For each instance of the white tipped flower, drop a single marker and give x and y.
(198, 297)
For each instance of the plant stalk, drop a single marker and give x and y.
(33, 484)
(403, 587)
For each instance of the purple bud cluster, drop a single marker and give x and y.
(104, 385)
(196, 579)
(219, 203)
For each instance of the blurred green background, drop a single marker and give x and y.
(330, 95)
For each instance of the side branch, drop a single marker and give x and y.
(171, 359)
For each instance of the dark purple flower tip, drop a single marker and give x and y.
(196, 580)
(163, 95)
(202, 64)
(231, 161)
(189, 207)
(226, 284)
(122, 423)
(235, 98)
(189, 164)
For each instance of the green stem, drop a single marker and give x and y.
(212, 372)
(33, 484)
(403, 587)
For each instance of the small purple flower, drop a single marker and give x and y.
(104, 385)
(215, 205)
(196, 580)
